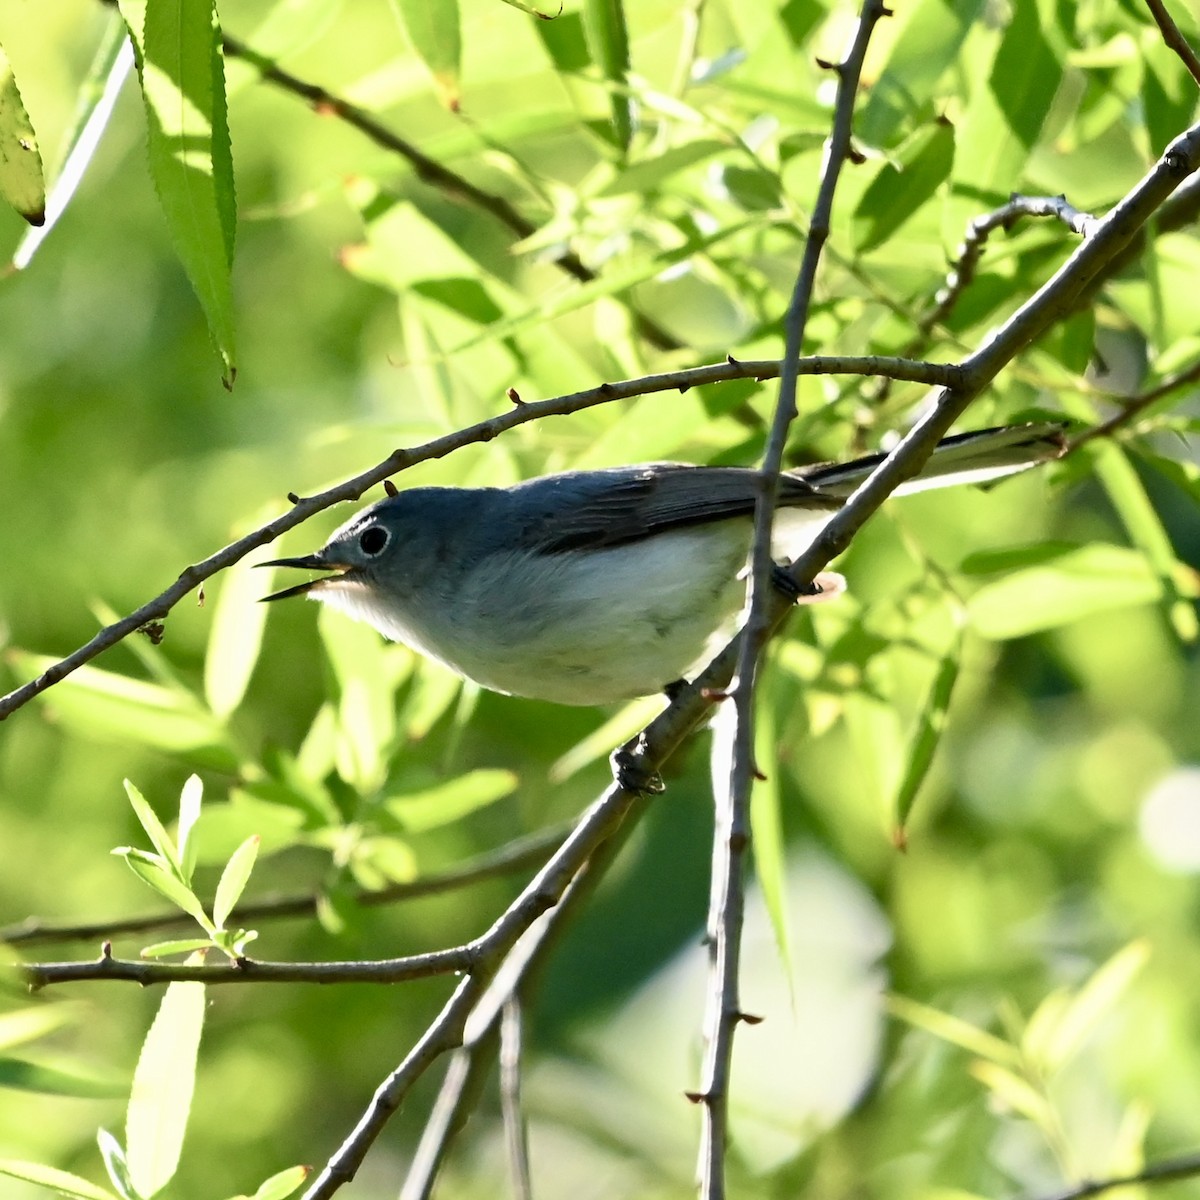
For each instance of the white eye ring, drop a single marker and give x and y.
(373, 540)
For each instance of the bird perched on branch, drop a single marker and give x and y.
(588, 587)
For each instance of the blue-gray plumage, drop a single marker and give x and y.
(593, 586)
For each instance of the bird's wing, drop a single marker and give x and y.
(591, 510)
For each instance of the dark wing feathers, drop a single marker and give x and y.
(591, 510)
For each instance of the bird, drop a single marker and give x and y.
(591, 587)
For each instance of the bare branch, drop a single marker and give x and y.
(515, 856)
(148, 972)
(732, 833)
(1134, 407)
(960, 276)
(1173, 39)
(1160, 1172)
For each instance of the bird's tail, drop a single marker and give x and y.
(975, 457)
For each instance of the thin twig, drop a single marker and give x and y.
(966, 263)
(150, 972)
(1173, 39)
(401, 460)
(516, 1134)
(1134, 407)
(515, 856)
(732, 832)
(1160, 1172)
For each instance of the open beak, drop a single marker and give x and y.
(307, 562)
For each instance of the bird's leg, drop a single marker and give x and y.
(629, 772)
(826, 586)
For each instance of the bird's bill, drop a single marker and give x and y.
(306, 562)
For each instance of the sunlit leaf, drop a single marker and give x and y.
(163, 1082)
(904, 184)
(236, 637)
(189, 814)
(436, 36)
(1094, 1001)
(954, 1030)
(61, 1182)
(1015, 1092)
(97, 96)
(151, 871)
(28, 1024)
(1146, 530)
(21, 181)
(450, 801)
(116, 1165)
(103, 704)
(160, 839)
(766, 827)
(233, 880)
(1074, 584)
(180, 67)
(928, 735)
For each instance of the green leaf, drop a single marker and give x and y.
(163, 1082)
(902, 186)
(176, 946)
(1017, 1093)
(436, 36)
(115, 1164)
(29, 1024)
(149, 869)
(62, 1182)
(280, 1185)
(928, 736)
(183, 84)
(1094, 1001)
(97, 96)
(1072, 585)
(236, 638)
(233, 880)
(1145, 528)
(115, 707)
(608, 44)
(448, 802)
(929, 41)
(21, 181)
(25, 1076)
(155, 830)
(766, 826)
(649, 173)
(953, 1030)
(1004, 118)
(189, 814)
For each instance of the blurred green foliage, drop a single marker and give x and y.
(1032, 645)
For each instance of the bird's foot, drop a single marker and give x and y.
(825, 586)
(630, 773)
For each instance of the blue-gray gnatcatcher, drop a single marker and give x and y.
(594, 586)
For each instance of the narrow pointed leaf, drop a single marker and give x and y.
(61, 1182)
(163, 1082)
(183, 85)
(21, 181)
(233, 880)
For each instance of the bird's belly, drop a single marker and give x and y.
(595, 628)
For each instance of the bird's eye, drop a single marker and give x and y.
(372, 540)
